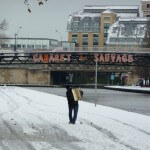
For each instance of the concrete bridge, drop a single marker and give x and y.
(45, 67)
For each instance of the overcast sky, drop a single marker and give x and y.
(44, 20)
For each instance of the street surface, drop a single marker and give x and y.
(134, 102)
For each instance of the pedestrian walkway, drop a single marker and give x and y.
(136, 89)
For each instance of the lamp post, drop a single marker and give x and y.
(16, 34)
(96, 80)
(60, 36)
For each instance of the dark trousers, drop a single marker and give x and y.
(74, 110)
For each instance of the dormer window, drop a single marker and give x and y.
(85, 29)
(75, 23)
(76, 18)
(87, 18)
(96, 24)
(96, 18)
(86, 24)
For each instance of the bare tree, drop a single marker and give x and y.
(26, 2)
(3, 27)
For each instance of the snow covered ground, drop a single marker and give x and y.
(32, 120)
(138, 88)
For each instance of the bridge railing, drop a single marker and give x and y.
(78, 49)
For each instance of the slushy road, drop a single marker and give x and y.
(134, 102)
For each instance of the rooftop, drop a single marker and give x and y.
(111, 7)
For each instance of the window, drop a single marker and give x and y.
(87, 18)
(85, 29)
(106, 25)
(105, 39)
(120, 40)
(76, 18)
(95, 39)
(23, 46)
(18, 45)
(114, 29)
(138, 40)
(96, 24)
(44, 46)
(113, 39)
(74, 38)
(123, 30)
(148, 5)
(96, 18)
(54, 42)
(86, 24)
(130, 40)
(12, 45)
(85, 39)
(75, 23)
(106, 18)
(30, 46)
(75, 29)
(38, 46)
(96, 29)
(105, 30)
(4, 45)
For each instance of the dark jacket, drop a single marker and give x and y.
(70, 98)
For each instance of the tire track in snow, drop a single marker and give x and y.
(11, 103)
(55, 135)
(109, 134)
(18, 141)
(120, 122)
(20, 95)
(134, 127)
(32, 104)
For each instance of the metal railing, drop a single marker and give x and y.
(79, 49)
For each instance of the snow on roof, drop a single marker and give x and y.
(120, 30)
(83, 14)
(108, 11)
(145, 0)
(126, 15)
(111, 7)
(134, 19)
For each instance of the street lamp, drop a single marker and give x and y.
(16, 34)
(96, 65)
(60, 36)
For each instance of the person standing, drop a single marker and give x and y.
(72, 105)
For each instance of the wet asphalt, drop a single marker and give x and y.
(133, 102)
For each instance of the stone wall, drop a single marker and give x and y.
(24, 76)
(133, 78)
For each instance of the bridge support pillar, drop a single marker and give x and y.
(132, 78)
(25, 76)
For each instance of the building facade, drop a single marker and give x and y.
(29, 43)
(128, 32)
(34, 43)
(89, 27)
(145, 8)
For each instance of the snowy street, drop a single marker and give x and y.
(32, 120)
